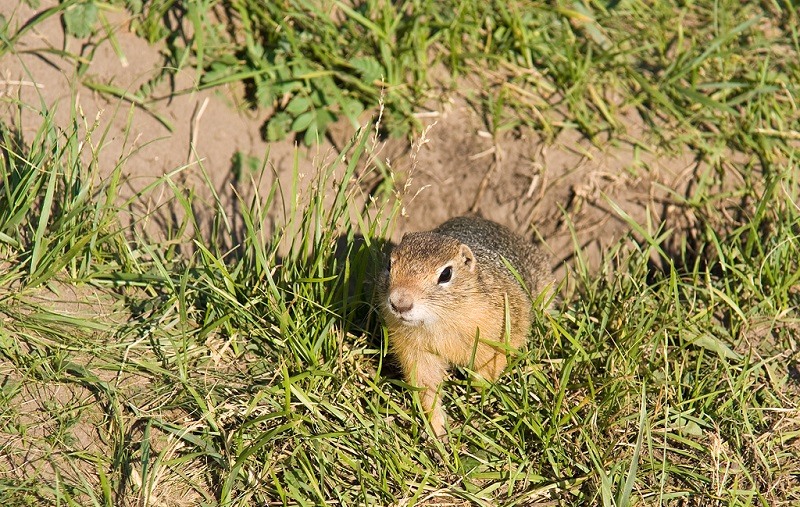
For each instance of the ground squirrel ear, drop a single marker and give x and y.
(467, 257)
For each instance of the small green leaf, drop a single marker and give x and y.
(135, 6)
(265, 93)
(285, 87)
(217, 72)
(298, 105)
(256, 52)
(80, 19)
(278, 126)
(325, 89)
(369, 68)
(313, 134)
(302, 122)
(324, 118)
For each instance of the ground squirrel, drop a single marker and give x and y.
(443, 296)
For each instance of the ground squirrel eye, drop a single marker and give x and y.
(446, 275)
(388, 265)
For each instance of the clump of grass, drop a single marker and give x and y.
(54, 219)
(59, 235)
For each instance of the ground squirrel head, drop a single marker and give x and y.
(424, 277)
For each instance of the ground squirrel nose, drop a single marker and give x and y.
(400, 301)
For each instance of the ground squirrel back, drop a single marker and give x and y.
(443, 296)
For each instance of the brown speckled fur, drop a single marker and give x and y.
(465, 320)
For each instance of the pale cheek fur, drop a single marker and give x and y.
(419, 315)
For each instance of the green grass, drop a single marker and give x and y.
(134, 372)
